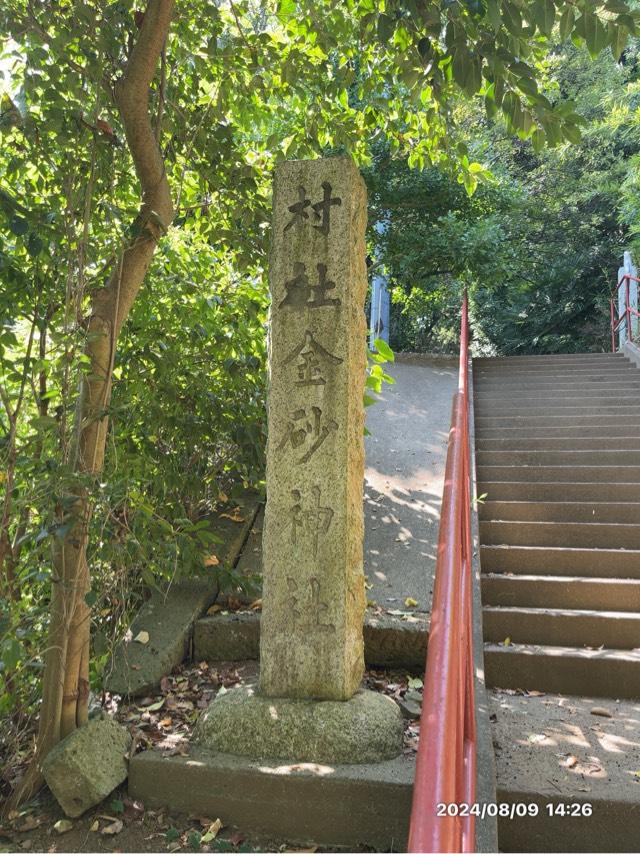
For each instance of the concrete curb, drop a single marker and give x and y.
(631, 351)
(341, 805)
(487, 829)
(388, 641)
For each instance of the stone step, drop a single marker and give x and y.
(569, 431)
(550, 358)
(555, 397)
(562, 627)
(561, 474)
(546, 560)
(528, 458)
(562, 669)
(548, 410)
(552, 591)
(571, 443)
(582, 535)
(504, 490)
(560, 399)
(554, 756)
(624, 369)
(560, 511)
(497, 423)
(543, 384)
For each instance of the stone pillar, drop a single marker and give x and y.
(310, 706)
(313, 586)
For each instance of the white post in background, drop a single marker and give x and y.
(380, 302)
(627, 269)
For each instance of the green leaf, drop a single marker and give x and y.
(18, 225)
(593, 31)
(512, 18)
(566, 22)
(385, 28)
(544, 16)
(116, 806)
(35, 245)
(572, 133)
(90, 599)
(618, 37)
(383, 349)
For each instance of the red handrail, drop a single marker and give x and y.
(446, 761)
(619, 318)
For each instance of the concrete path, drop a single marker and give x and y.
(552, 750)
(405, 459)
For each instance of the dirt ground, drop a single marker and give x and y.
(164, 721)
(34, 831)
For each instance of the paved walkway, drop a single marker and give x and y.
(405, 459)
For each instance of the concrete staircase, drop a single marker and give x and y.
(558, 460)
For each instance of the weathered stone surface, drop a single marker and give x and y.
(87, 765)
(227, 637)
(344, 807)
(366, 728)
(389, 641)
(168, 617)
(313, 590)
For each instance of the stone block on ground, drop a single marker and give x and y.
(367, 728)
(88, 765)
(168, 616)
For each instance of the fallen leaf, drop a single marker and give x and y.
(95, 826)
(30, 823)
(63, 825)
(536, 694)
(213, 610)
(234, 516)
(112, 829)
(211, 560)
(601, 712)
(165, 722)
(506, 641)
(410, 603)
(212, 831)
(142, 637)
(257, 605)
(155, 706)
(569, 761)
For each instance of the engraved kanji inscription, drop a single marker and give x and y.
(321, 210)
(307, 429)
(300, 293)
(312, 361)
(313, 522)
(315, 612)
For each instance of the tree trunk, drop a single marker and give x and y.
(65, 688)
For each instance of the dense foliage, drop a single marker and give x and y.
(539, 245)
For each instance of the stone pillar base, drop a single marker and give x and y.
(367, 728)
